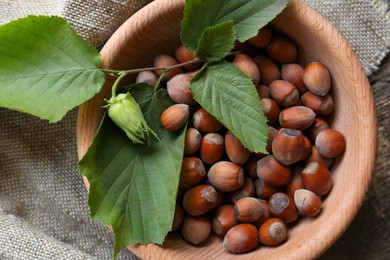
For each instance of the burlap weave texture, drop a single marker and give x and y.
(364, 24)
(43, 203)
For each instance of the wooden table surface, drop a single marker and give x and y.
(369, 235)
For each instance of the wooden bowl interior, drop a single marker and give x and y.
(155, 30)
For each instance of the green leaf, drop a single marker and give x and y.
(216, 42)
(248, 16)
(226, 92)
(133, 187)
(46, 69)
(142, 93)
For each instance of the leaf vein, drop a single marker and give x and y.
(40, 38)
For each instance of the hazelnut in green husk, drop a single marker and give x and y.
(126, 113)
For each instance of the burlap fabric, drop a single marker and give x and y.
(43, 203)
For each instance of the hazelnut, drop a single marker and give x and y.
(263, 37)
(205, 122)
(223, 219)
(220, 199)
(272, 132)
(288, 146)
(307, 148)
(235, 150)
(192, 172)
(248, 209)
(212, 148)
(146, 77)
(265, 191)
(315, 156)
(317, 178)
(281, 49)
(317, 78)
(202, 226)
(263, 91)
(273, 232)
(330, 143)
(192, 141)
(175, 117)
(273, 172)
(308, 203)
(226, 176)
(179, 89)
(271, 110)
(199, 200)
(183, 54)
(162, 61)
(320, 105)
(297, 117)
(241, 238)
(266, 214)
(269, 71)
(178, 218)
(318, 125)
(248, 66)
(296, 182)
(293, 73)
(284, 93)
(282, 206)
(247, 190)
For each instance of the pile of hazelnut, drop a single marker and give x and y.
(243, 197)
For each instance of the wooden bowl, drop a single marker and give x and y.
(155, 30)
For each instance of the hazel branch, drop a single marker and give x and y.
(122, 73)
(168, 68)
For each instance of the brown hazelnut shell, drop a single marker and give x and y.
(241, 238)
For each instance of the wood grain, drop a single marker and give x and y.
(368, 237)
(155, 29)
